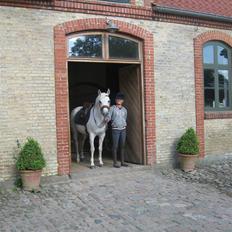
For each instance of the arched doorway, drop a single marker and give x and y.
(108, 61)
(141, 62)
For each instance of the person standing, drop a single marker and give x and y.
(118, 117)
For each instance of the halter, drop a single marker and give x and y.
(102, 107)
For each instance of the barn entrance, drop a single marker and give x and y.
(90, 40)
(85, 78)
(102, 60)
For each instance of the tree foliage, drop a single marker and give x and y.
(90, 46)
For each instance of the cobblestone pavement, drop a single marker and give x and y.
(218, 175)
(125, 199)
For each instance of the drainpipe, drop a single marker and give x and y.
(189, 13)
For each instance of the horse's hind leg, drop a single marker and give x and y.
(101, 139)
(75, 138)
(82, 143)
(77, 150)
(91, 140)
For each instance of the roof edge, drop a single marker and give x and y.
(189, 13)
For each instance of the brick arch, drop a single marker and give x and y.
(61, 83)
(199, 42)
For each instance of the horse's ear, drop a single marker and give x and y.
(108, 92)
(99, 92)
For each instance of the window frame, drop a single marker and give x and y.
(217, 67)
(115, 2)
(105, 49)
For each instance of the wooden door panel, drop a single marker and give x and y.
(129, 84)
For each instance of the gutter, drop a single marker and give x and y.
(189, 13)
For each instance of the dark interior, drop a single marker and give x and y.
(85, 79)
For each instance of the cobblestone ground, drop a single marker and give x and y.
(126, 199)
(218, 175)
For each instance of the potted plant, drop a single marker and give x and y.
(188, 149)
(30, 163)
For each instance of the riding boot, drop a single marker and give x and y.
(115, 164)
(122, 152)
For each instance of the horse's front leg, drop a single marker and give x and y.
(101, 140)
(91, 140)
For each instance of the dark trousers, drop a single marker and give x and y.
(119, 140)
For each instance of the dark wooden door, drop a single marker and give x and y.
(130, 85)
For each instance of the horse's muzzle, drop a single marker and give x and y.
(105, 109)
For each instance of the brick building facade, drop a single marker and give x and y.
(34, 76)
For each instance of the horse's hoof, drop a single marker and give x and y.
(100, 165)
(82, 159)
(92, 166)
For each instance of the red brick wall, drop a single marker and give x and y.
(87, 7)
(199, 82)
(61, 79)
(124, 10)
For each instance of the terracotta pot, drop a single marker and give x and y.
(187, 162)
(31, 179)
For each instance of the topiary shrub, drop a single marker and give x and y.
(188, 143)
(30, 156)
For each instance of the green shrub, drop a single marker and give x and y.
(30, 156)
(188, 143)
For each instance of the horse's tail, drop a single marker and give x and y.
(74, 128)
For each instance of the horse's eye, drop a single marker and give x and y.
(109, 101)
(100, 102)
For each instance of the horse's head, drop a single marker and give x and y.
(103, 101)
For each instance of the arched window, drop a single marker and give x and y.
(217, 76)
(103, 46)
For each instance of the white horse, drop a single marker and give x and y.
(96, 126)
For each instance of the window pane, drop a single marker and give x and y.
(210, 98)
(86, 46)
(222, 55)
(208, 54)
(223, 98)
(223, 78)
(123, 48)
(209, 77)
